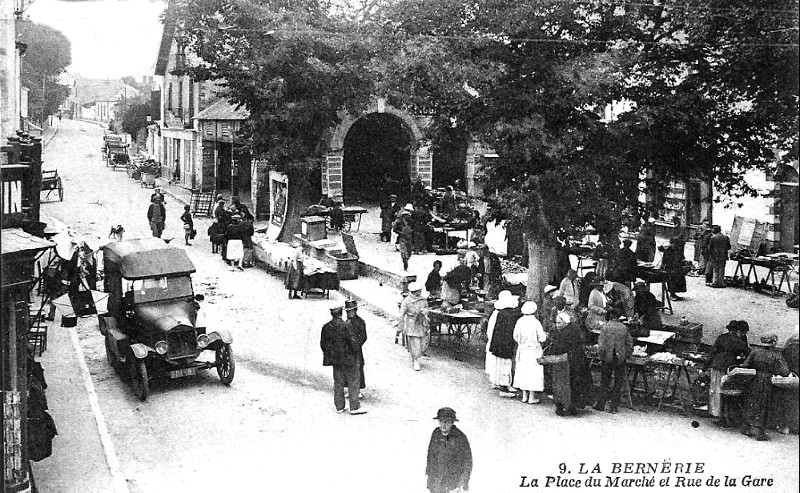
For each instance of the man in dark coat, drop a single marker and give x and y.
(767, 362)
(672, 264)
(389, 212)
(614, 347)
(156, 216)
(339, 350)
(449, 464)
(359, 330)
(718, 247)
(646, 241)
(625, 270)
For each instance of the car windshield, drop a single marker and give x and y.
(159, 288)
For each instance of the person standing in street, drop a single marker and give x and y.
(646, 241)
(389, 212)
(402, 226)
(529, 336)
(414, 321)
(501, 347)
(614, 347)
(449, 464)
(570, 288)
(358, 328)
(729, 350)
(188, 224)
(701, 238)
(234, 252)
(339, 351)
(434, 282)
(156, 216)
(718, 247)
(767, 362)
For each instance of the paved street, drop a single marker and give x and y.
(275, 428)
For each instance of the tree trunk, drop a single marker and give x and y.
(542, 259)
(300, 196)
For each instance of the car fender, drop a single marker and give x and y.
(140, 350)
(219, 335)
(119, 341)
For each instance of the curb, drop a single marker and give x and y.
(364, 301)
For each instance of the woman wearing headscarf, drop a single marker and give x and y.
(767, 362)
(729, 350)
(413, 318)
(501, 347)
(529, 336)
(572, 380)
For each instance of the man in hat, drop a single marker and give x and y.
(449, 464)
(414, 322)
(767, 362)
(358, 328)
(389, 212)
(626, 268)
(614, 347)
(718, 246)
(402, 226)
(547, 310)
(157, 215)
(339, 350)
(619, 296)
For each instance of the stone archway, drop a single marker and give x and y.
(420, 157)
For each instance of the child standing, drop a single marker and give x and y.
(216, 235)
(188, 224)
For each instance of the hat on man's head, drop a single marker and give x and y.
(220, 197)
(744, 326)
(393, 196)
(336, 310)
(414, 287)
(770, 339)
(732, 326)
(564, 317)
(651, 220)
(608, 286)
(640, 284)
(549, 289)
(409, 208)
(350, 305)
(445, 413)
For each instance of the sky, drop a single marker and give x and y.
(110, 38)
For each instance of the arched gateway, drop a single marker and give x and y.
(380, 151)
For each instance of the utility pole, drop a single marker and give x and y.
(44, 80)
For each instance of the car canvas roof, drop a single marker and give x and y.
(147, 257)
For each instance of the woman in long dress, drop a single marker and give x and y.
(572, 379)
(500, 347)
(529, 335)
(729, 350)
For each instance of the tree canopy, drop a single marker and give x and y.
(47, 56)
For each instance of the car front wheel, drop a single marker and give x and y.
(141, 386)
(225, 363)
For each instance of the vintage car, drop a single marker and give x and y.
(151, 326)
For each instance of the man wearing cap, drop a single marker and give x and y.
(157, 215)
(548, 309)
(339, 350)
(767, 362)
(359, 330)
(614, 347)
(619, 296)
(449, 464)
(718, 247)
(389, 212)
(414, 322)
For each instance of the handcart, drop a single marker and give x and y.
(51, 182)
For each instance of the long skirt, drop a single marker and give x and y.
(235, 250)
(714, 396)
(529, 375)
(502, 372)
(416, 346)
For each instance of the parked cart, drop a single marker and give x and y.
(51, 182)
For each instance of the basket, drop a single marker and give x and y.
(554, 359)
(790, 382)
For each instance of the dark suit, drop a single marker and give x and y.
(615, 346)
(359, 330)
(339, 350)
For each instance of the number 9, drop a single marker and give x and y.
(562, 468)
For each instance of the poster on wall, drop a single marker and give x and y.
(278, 200)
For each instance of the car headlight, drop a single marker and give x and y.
(162, 347)
(202, 341)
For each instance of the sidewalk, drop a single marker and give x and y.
(78, 463)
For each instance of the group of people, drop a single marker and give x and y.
(731, 350)
(477, 268)
(341, 343)
(231, 233)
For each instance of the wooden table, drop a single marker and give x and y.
(459, 325)
(774, 265)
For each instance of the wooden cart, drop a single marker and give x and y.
(51, 182)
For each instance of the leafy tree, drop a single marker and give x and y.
(47, 56)
(134, 116)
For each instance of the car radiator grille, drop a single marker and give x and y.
(182, 343)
